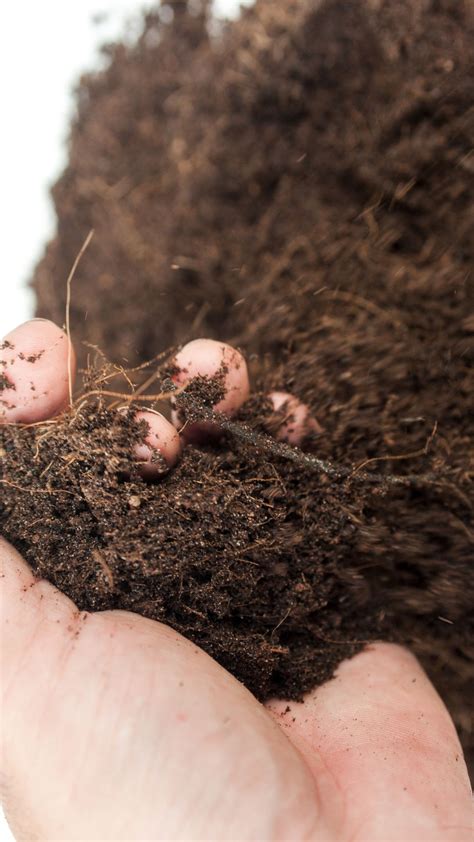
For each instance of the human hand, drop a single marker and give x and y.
(114, 727)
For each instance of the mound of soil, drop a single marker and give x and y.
(300, 183)
(234, 548)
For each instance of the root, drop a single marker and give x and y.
(398, 458)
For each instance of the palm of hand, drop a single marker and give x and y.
(118, 728)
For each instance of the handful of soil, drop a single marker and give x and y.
(239, 549)
(299, 183)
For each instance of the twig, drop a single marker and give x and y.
(293, 454)
(308, 460)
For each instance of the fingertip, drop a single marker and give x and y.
(37, 362)
(296, 418)
(211, 359)
(161, 446)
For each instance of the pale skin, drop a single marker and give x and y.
(115, 727)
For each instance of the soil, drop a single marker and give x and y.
(299, 183)
(233, 548)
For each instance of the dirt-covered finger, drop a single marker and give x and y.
(37, 369)
(220, 364)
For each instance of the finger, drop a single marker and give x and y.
(116, 727)
(211, 359)
(34, 372)
(384, 750)
(293, 420)
(37, 624)
(161, 446)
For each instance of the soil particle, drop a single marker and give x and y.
(5, 383)
(31, 358)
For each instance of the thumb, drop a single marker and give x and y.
(36, 621)
(35, 617)
(380, 734)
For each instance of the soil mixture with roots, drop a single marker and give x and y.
(298, 183)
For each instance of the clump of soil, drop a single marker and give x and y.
(300, 183)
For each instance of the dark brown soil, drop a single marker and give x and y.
(234, 548)
(300, 184)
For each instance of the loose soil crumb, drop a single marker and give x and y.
(5, 383)
(300, 183)
(31, 358)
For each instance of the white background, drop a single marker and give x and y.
(44, 46)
